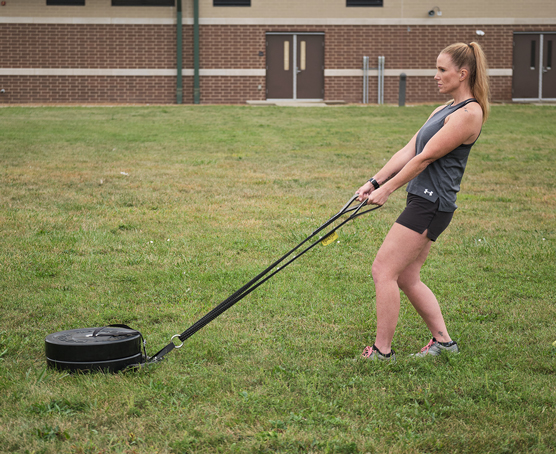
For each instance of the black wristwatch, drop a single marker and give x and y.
(374, 183)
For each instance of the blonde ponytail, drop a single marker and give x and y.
(473, 57)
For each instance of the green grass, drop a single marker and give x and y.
(151, 216)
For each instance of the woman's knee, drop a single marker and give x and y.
(381, 272)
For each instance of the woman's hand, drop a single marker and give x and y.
(379, 196)
(365, 191)
(373, 196)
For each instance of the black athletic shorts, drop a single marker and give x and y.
(421, 214)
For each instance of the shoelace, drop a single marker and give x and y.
(428, 346)
(367, 352)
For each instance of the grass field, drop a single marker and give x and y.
(151, 216)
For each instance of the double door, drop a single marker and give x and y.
(295, 66)
(534, 78)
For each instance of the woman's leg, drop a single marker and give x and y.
(402, 248)
(422, 298)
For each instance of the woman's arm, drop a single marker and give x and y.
(461, 127)
(391, 169)
(393, 166)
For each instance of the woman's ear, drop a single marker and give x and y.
(463, 73)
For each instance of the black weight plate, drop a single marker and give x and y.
(104, 366)
(79, 345)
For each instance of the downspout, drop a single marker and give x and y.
(179, 54)
(196, 82)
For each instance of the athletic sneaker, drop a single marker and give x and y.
(435, 348)
(374, 354)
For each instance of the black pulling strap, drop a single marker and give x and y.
(258, 280)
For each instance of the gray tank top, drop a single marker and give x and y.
(441, 179)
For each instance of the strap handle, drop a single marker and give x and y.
(97, 332)
(131, 332)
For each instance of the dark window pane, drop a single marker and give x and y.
(231, 3)
(143, 2)
(65, 2)
(363, 2)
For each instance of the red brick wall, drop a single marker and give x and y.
(228, 47)
(407, 47)
(413, 47)
(232, 47)
(418, 89)
(90, 89)
(231, 90)
(87, 46)
(348, 89)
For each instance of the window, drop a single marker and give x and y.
(364, 2)
(231, 3)
(65, 2)
(143, 2)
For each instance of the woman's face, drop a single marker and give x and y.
(448, 77)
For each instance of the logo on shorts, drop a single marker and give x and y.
(428, 192)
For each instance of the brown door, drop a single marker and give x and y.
(295, 66)
(279, 66)
(526, 67)
(310, 66)
(548, 72)
(533, 75)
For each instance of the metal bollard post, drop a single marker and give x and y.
(401, 95)
(365, 80)
(381, 80)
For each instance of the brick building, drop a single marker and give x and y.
(130, 51)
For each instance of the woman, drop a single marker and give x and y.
(432, 163)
